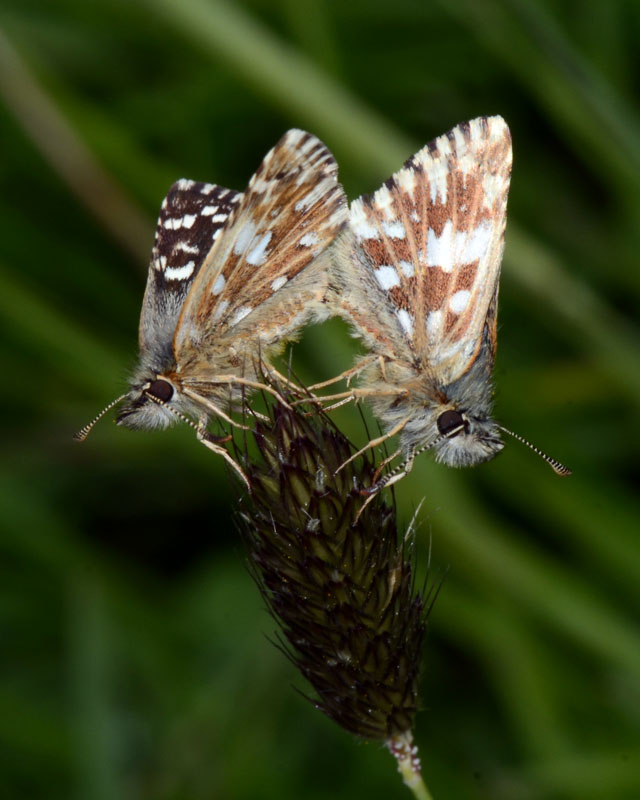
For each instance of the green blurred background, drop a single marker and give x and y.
(135, 663)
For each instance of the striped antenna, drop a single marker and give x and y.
(178, 414)
(556, 466)
(402, 468)
(82, 434)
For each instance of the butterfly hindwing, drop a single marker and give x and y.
(192, 217)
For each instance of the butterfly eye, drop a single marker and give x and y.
(163, 390)
(451, 423)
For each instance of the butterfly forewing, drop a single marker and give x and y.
(191, 219)
(292, 210)
(432, 237)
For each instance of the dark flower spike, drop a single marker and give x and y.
(336, 578)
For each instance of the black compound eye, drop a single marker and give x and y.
(163, 390)
(451, 423)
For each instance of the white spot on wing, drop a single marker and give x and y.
(218, 285)
(361, 226)
(387, 277)
(473, 245)
(217, 314)
(461, 144)
(279, 283)
(207, 211)
(384, 201)
(407, 268)
(458, 301)
(259, 253)
(406, 320)
(244, 238)
(440, 251)
(308, 240)
(240, 314)
(438, 186)
(314, 195)
(434, 323)
(443, 145)
(179, 222)
(187, 248)
(180, 273)
(406, 180)
(259, 185)
(395, 230)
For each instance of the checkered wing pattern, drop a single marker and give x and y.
(431, 241)
(292, 210)
(191, 219)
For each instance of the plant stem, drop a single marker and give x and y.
(406, 754)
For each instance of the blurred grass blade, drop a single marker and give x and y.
(310, 23)
(580, 100)
(68, 156)
(93, 689)
(290, 80)
(68, 349)
(491, 556)
(585, 520)
(512, 656)
(611, 341)
(600, 775)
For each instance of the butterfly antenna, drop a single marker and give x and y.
(556, 466)
(177, 413)
(408, 462)
(82, 434)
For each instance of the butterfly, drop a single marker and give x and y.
(418, 272)
(232, 277)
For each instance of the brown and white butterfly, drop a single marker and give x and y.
(232, 277)
(418, 270)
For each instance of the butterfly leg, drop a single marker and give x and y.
(374, 443)
(204, 401)
(202, 432)
(393, 477)
(396, 476)
(384, 463)
(252, 384)
(318, 400)
(206, 439)
(333, 406)
(351, 394)
(347, 374)
(383, 371)
(282, 378)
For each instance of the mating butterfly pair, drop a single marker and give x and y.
(414, 268)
